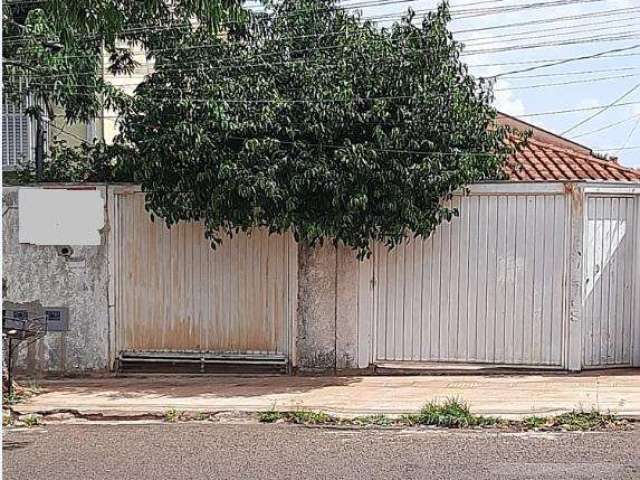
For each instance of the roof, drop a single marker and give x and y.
(550, 157)
(541, 161)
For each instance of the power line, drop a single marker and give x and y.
(572, 73)
(551, 33)
(516, 87)
(572, 82)
(569, 60)
(575, 110)
(626, 142)
(347, 146)
(153, 28)
(603, 109)
(525, 115)
(606, 127)
(602, 13)
(583, 40)
(635, 147)
(577, 41)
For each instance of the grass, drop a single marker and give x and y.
(172, 415)
(31, 421)
(452, 413)
(301, 417)
(310, 418)
(21, 393)
(269, 416)
(380, 420)
(201, 417)
(585, 421)
(534, 422)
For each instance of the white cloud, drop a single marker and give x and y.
(506, 101)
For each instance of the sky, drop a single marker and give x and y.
(597, 26)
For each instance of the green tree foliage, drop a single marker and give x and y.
(318, 122)
(56, 51)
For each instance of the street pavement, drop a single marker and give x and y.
(217, 451)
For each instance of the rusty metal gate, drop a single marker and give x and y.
(173, 293)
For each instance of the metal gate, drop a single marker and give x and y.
(608, 280)
(487, 287)
(174, 293)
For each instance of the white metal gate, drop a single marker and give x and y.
(174, 293)
(486, 288)
(608, 270)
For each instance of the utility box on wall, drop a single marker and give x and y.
(59, 216)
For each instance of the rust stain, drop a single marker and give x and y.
(184, 296)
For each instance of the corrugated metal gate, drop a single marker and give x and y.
(486, 288)
(609, 242)
(174, 293)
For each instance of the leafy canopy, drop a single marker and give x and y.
(57, 51)
(315, 121)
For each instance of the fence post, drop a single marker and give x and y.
(576, 243)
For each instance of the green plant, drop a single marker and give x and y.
(269, 416)
(352, 137)
(309, 417)
(451, 413)
(201, 417)
(6, 418)
(172, 415)
(534, 422)
(584, 421)
(30, 420)
(380, 419)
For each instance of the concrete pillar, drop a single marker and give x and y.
(316, 342)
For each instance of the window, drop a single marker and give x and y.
(18, 134)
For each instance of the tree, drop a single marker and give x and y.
(56, 51)
(315, 121)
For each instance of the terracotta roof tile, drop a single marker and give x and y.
(545, 161)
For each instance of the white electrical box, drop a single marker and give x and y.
(50, 216)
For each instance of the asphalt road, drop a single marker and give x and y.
(196, 451)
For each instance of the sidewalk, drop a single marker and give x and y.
(509, 396)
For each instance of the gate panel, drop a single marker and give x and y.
(486, 288)
(608, 280)
(173, 292)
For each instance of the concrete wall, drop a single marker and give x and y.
(329, 331)
(79, 282)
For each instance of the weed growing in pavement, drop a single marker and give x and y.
(31, 420)
(380, 420)
(534, 422)
(201, 417)
(452, 413)
(585, 421)
(269, 416)
(21, 393)
(303, 417)
(172, 415)
(310, 418)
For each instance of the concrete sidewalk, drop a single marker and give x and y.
(509, 396)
